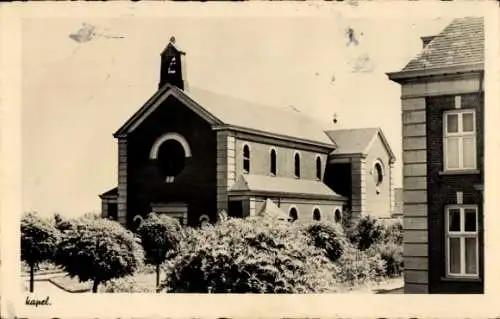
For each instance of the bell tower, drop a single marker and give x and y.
(172, 66)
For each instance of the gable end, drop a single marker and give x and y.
(155, 101)
(386, 145)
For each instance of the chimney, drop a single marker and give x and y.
(172, 66)
(426, 40)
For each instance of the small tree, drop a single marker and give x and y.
(368, 231)
(160, 235)
(39, 240)
(99, 250)
(328, 237)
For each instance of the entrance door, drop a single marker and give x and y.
(235, 209)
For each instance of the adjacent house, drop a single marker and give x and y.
(194, 154)
(442, 98)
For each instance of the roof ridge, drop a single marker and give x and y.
(356, 129)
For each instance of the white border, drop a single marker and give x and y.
(144, 305)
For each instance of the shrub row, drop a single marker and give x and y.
(236, 255)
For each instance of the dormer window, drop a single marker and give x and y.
(246, 158)
(272, 159)
(296, 160)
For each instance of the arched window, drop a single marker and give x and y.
(296, 160)
(378, 173)
(338, 216)
(246, 159)
(171, 159)
(294, 215)
(170, 152)
(318, 168)
(273, 162)
(316, 214)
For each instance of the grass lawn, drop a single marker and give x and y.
(44, 268)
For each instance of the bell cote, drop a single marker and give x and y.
(172, 66)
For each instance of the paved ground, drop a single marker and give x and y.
(392, 291)
(390, 286)
(42, 284)
(49, 288)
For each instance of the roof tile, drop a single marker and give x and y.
(460, 43)
(241, 113)
(268, 184)
(352, 141)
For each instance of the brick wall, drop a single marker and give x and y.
(418, 242)
(442, 188)
(195, 185)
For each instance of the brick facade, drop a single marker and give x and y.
(194, 186)
(442, 188)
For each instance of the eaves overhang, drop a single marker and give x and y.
(405, 76)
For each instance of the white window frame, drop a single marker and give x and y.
(462, 234)
(460, 135)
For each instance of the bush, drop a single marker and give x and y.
(394, 233)
(126, 284)
(39, 239)
(63, 224)
(99, 250)
(248, 256)
(367, 232)
(160, 235)
(348, 225)
(357, 267)
(328, 237)
(392, 254)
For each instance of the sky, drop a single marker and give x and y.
(76, 94)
